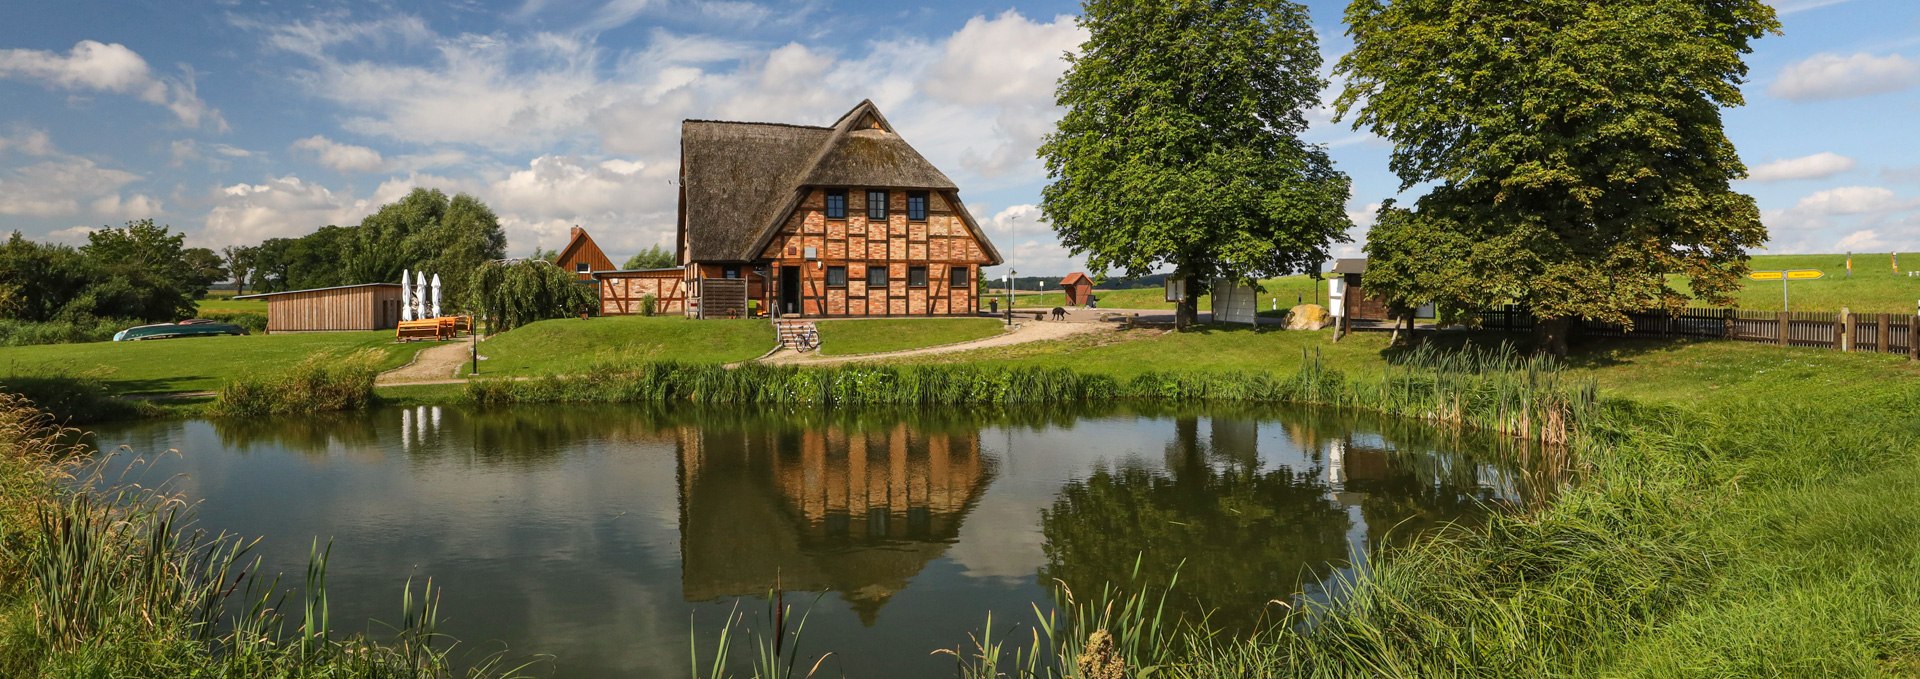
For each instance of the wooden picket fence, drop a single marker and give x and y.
(1879, 333)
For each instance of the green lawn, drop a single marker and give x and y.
(223, 302)
(1873, 288)
(1288, 291)
(849, 337)
(190, 364)
(570, 345)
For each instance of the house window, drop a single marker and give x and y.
(876, 276)
(917, 276)
(836, 277)
(732, 271)
(957, 276)
(917, 206)
(837, 204)
(580, 267)
(877, 205)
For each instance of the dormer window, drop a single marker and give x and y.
(917, 206)
(837, 204)
(877, 205)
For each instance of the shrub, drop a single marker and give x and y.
(68, 330)
(74, 399)
(253, 321)
(322, 382)
(648, 304)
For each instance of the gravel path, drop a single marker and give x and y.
(1022, 333)
(436, 364)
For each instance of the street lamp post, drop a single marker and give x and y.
(1010, 278)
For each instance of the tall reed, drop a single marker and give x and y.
(322, 382)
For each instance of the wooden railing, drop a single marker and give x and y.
(1878, 333)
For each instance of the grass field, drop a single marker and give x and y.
(223, 302)
(850, 337)
(1873, 288)
(570, 345)
(191, 364)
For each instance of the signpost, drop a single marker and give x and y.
(1784, 275)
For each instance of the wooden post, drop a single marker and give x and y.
(1913, 338)
(1782, 327)
(1847, 328)
(1883, 333)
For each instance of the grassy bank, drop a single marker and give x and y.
(851, 337)
(192, 364)
(114, 582)
(570, 345)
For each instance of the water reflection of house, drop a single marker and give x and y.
(857, 512)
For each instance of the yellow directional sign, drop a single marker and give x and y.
(1792, 275)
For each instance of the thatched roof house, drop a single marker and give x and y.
(843, 220)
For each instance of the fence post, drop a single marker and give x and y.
(1781, 325)
(1847, 329)
(1913, 338)
(1883, 333)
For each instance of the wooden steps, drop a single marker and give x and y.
(797, 335)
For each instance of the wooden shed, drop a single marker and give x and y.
(582, 256)
(1361, 304)
(1078, 288)
(369, 306)
(624, 293)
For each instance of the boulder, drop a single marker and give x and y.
(1308, 317)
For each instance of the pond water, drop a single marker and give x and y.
(604, 536)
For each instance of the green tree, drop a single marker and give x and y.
(240, 261)
(310, 261)
(426, 230)
(1180, 146)
(140, 271)
(509, 295)
(207, 268)
(1575, 150)
(655, 257)
(40, 279)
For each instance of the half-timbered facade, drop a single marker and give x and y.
(846, 220)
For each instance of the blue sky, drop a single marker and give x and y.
(239, 121)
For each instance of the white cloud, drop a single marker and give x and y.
(1364, 215)
(136, 206)
(1864, 240)
(1816, 166)
(1831, 76)
(1008, 59)
(1018, 220)
(1852, 200)
(27, 142)
(73, 235)
(279, 207)
(1785, 7)
(626, 204)
(102, 67)
(58, 186)
(341, 157)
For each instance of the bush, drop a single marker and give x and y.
(78, 328)
(648, 304)
(253, 321)
(75, 399)
(322, 382)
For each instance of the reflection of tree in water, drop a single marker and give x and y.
(1248, 535)
(858, 511)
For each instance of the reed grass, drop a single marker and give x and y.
(100, 578)
(322, 382)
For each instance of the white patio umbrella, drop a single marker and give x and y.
(406, 295)
(420, 294)
(436, 295)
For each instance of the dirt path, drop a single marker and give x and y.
(435, 364)
(1023, 333)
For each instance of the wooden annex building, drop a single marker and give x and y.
(369, 306)
(844, 220)
(1077, 287)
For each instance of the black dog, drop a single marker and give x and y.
(1059, 314)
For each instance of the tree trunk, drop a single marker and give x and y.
(1550, 335)
(1187, 312)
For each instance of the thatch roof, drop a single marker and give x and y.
(743, 179)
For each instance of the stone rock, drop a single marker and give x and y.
(1308, 317)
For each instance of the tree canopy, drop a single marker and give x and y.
(655, 257)
(510, 295)
(1180, 145)
(141, 271)
(1575, 151)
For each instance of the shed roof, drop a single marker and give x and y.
(259, 295)
(1345, 266)
(742, 179)
(1075, 278)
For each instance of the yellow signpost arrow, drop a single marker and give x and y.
(1785, 275)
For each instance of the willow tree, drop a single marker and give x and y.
(512, 294)
(1574, 148)
(1180, 145)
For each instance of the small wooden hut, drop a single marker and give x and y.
(369, 306)
(1078, 288)
(582, 256)
(1361, 304)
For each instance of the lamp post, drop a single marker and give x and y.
(1010, 274)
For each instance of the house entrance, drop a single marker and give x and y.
(789, 290)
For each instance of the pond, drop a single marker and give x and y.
(605, 536)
